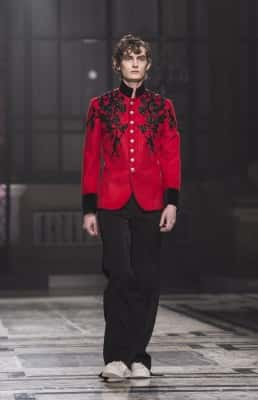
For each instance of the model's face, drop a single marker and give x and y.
(134, 66)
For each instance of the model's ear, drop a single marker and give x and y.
(148, 66)
(115, 66)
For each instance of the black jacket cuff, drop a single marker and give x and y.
(89, 203)
(171, 196)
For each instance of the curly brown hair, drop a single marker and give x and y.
(129, 42)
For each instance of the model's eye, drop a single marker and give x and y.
(127, 57)
(142, 58)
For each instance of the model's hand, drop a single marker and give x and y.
(168, 218)
(90, 224)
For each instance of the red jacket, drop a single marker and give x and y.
(131, 145)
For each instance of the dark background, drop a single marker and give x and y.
(54, 56)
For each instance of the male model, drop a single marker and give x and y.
(131, 177)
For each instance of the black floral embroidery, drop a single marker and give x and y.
(171, 119)
(153, 108)
(91, 117)
(111, 105)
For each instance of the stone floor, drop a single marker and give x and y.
(204, 347)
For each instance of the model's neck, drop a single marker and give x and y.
(133, 85)
(130, 91)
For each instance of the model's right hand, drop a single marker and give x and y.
(90, 224)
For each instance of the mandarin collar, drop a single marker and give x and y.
(127, 91)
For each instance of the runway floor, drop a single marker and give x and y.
(204, 347)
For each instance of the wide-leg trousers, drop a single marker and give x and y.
(131, 240)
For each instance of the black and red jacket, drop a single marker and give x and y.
(131, 145)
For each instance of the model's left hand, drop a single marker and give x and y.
(168, 218)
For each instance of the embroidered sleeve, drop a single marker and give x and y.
(90, 167)
(170, 157)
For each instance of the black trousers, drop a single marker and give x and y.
(131, 240)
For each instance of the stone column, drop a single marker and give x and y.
(4, 195)
(3, 62)
(228, 150)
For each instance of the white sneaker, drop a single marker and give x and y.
(139, 370)
(116, 369)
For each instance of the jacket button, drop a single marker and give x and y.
(131, 122)
(132, 159)
(132, 169)
(131, 112)
(131, 150)
(131, 103)
(131, 140)
(131, 130)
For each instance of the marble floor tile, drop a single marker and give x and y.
(203, 346)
